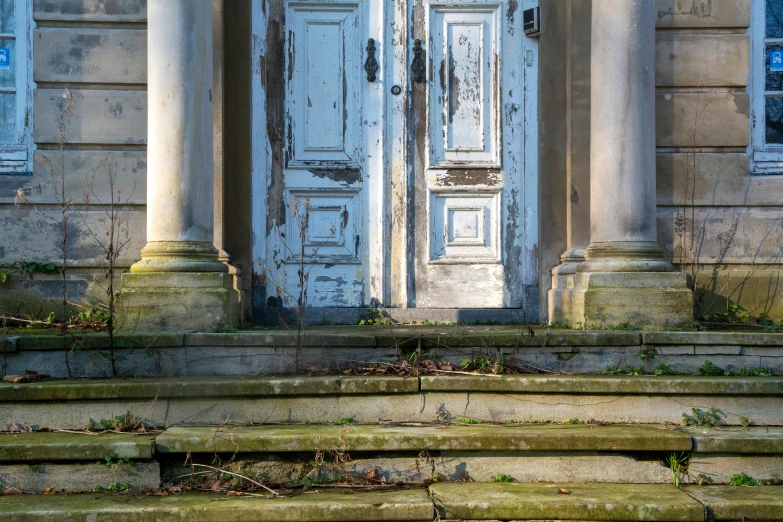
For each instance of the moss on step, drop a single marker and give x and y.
(606, 384)
(43, 447)
(246, 386)
(195, 387)
(323, 506)
(612, 502)
(740, 503)
(760, 439)
(275, 438)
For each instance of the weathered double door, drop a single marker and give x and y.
(397, 154)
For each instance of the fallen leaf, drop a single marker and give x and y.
(371, 474)
(50, 491)
(447, 367)
(16, 428)
(234, 494)
(563, 491)
(15, 379)
(12, 491)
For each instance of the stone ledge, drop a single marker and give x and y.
(284, 438)
(605, 384)
(737, 440)
(198, 387)
(251, 386)
(406, 505)
(44, 447)
(740, 503)
(610, 502)
(714, 338)
(97, 341)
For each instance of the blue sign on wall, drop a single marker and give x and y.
(776, 61)
(5, 58)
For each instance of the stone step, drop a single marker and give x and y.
(46, 447)
(380, 438)
(445, 501)
(164, 402)
(75, 462)
(756, 439)
(313, 506)
(412, 454)
(551, 453)
(273, 351)
(614, 502)
(739, 503)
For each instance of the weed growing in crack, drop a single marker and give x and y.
(678, 463)
(706, 419)
(741, 479)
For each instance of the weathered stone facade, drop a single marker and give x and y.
(714, 219)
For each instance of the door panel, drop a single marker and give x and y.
(463, 127)
(317, 248)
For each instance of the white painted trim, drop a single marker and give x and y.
(530, 184)
(764, 159)
(16, 158)
(261, 150)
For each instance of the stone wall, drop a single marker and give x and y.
(714, 218)
(97, 51)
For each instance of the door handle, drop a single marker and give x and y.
(371, 64)
(418, 66)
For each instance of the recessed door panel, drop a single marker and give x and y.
(463, 123)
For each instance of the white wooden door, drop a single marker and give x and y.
(403, 187)
(462, 158)
(325, 152)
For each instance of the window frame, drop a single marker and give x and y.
(17, 158)
(765, 159)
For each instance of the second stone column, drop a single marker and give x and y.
(625, 279)
(179, 282)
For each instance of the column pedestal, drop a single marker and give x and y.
(180, 282)
(560, 295)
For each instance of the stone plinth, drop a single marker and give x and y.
(641, 299)
(178, 301)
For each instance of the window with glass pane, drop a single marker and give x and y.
(773, 73)
(15, 86)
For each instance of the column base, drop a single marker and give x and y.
(178, 256)
(642, 299)
(178, 301)
(624, 256)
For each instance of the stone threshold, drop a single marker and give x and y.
(444, 501)
(263, 386)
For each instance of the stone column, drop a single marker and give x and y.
(624, 278)
(179, 283)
